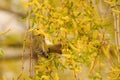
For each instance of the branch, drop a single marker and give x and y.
(21, 14)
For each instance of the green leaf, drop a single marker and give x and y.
(1, 52)
(3, 33)
(56, 64)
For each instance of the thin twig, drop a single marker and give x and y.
(30, 38)
(116, 31)
(21, 14)
(75, 75)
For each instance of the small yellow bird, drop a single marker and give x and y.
(41, 48)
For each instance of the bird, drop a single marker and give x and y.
(40, 47)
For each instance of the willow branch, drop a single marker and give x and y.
(21, 14)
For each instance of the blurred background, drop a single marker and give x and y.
(11, 18)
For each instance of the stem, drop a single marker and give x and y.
(31, 56)
(75, 75)
(117, 33)
(24, 42)
(30, 38)
(100, 65)
(117, 21)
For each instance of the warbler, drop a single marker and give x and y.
(41, 48)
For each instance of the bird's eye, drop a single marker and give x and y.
(39, 35)
(37, 29)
